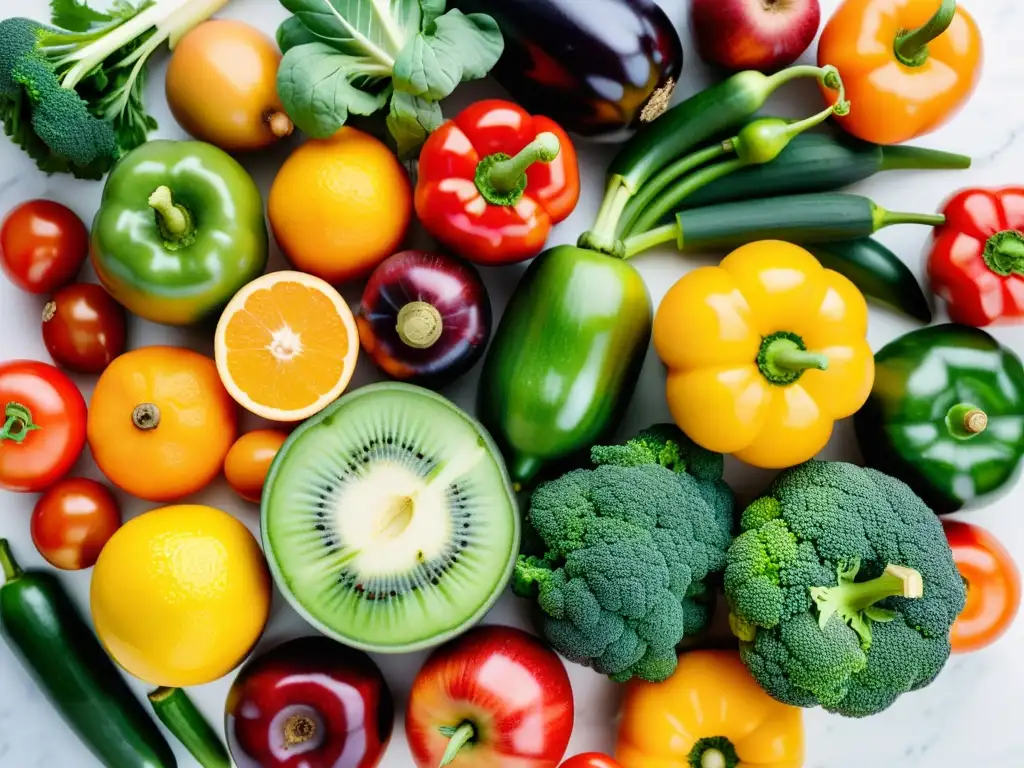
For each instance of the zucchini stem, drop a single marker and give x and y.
(668, 202)
(883, 218)
(911, 47)
(10, 566)
(651, 238)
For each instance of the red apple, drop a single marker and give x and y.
(309, 703)
(766, 35)
(496, 697)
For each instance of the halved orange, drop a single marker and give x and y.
(286, 346)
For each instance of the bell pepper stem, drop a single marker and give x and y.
(801, 360)
(18, 423)
(911, 47)
(9, 565)
(457, 739)
(175, 221)
(1004, 253)
(419, 325)
(712, 758)
(883, 218)
(965, 421)
(713, 752)
(502, 179)
(783, 358)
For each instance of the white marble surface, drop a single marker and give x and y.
(968, 717)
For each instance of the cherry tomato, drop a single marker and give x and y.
(73, 521)
(43, 245)
(83, 328)
(249, 460)
(43, 428)
(590, 760)
(993, 586)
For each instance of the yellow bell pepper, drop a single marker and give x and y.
(764, 353)
(709, 714)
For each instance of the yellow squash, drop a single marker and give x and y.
(764, 353)
(710, 713)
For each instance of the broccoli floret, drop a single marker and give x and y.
(842, 589)
(629, 545)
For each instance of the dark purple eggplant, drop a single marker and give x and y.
(425, 318)
(597, 67)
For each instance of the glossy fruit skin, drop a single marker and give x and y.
(453, 289)
(249, 460)
(57, 407)
(43, 626)
(740, 35)
(895, 102)
(993, 586)
(548, 334)
(83, 328)
(72, 521)
(180, 595)
(43, 245)
(178, 283)
(339, 689)
(595, 79)
(920, 378)
(222, 86)
(508, 685)
(340, 206)
(590, 760)
(452, 198)
(196, 425)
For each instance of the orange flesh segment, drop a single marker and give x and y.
(286, 347)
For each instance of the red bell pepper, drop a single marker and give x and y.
(493, 181)
(977, 260)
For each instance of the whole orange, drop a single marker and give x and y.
(161, 423)
(249, 460)
(340, 206)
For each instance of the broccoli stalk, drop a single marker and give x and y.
(71, 94)
(854, 601)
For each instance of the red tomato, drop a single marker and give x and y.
(73, 521)
(993, 586)
(499, 694)
(590, 760)
(83, 328)
(43, 431)
(43, 245)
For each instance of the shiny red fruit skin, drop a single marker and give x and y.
(73, 521)
(340, 690)
(83, 328)
(590, 760)
(454, 288)
(511, 687)
(43, 245)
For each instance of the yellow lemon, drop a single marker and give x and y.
(180, 595)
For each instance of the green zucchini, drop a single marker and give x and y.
(877, 272)
(820, 162)
(62, 654)
(818, 218)
(176, 711)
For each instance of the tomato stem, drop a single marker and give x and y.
(19, 423)
(279, 123)
(10, 566)
(458, 738)
(146, 416)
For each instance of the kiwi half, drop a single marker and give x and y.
(389, 520)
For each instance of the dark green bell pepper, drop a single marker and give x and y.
(946, 416)
(179, 230)
(565, 358)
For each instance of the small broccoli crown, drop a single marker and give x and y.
(18, 38)
(828, 570)
(629, 544)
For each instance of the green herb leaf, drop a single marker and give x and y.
(319, 86)
(292, 33)
(458, 48)
(411, 120)
(431, 10)
(375, 29)
(78, 16)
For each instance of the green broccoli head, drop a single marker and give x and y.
(628, 547)
(17, 40)
(842, 589)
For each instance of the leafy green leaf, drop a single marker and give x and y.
(411, 120)
(431, 10)
(319, 86)
(375, 29)
(293, 33)
(79, 16)
(459, 48)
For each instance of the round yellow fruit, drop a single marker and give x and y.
(340, 206)
(180, 595)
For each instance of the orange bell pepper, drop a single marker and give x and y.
(709, 713)
(764, 353)
(907, 67)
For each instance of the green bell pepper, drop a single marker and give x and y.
(946, 416)
(179, 230)
(565, 358)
